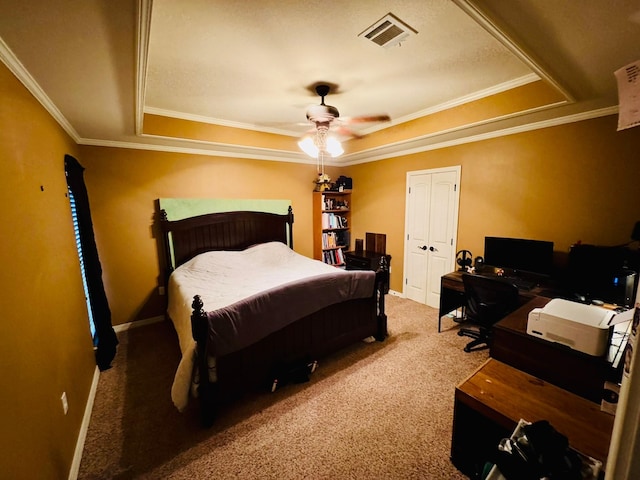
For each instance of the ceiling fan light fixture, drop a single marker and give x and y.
(334, 147)
(310, 144)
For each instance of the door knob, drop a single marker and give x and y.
(432, 249)
(423, 247)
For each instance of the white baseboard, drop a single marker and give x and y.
(396, 294)
(84, 428)
(138, 323)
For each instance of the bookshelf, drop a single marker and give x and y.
(331, 226)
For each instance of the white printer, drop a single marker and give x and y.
(582, 327)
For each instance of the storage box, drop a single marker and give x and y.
(376, 242)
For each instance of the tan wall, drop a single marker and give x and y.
(555, 183)
(567, 183)
(124, 186)
(44, 332)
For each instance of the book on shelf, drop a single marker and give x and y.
(334, 257)
(331, 220)
(332, 203)
(329, 240)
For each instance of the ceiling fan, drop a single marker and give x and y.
(323, 116)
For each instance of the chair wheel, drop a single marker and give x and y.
(460, 333)
(467, 349)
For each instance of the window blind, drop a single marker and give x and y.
(76, 231)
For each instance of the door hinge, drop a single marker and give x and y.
(455, 187)
(452, 242)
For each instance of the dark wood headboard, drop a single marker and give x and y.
(186, 238)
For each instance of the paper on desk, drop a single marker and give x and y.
(628, 78)
(624, 316)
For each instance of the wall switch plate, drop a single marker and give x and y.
(161, 290)
(65, 403)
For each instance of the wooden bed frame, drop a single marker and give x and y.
(306, 340)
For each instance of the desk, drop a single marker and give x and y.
(452, 294)
(572, 370)
(489, 404)
(569, 369)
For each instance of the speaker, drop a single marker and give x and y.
(478, 263)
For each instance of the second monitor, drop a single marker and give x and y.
(519, 255)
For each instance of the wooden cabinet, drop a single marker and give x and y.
(489, 404)
(364, 260)
(331, 226)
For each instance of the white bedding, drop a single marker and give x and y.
(230, 277)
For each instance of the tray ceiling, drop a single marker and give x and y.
(100, 66)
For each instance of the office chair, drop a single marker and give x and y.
(489, 299)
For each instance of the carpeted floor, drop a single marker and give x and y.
(372, 411)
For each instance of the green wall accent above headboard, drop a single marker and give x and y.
(179, 208)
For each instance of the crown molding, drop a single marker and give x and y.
(194, 147)
(142, 50)
(397, 149)
(496, 89)
(430, 142)
(217, 121)
(485, 22)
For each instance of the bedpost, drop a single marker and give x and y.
(164, 224)
(382, 287)
(290, 222)
(206, 390)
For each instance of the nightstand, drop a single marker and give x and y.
(364, 260)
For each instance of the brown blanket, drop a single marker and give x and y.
(245, 322)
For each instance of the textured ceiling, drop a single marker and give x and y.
(99, 66)
(252, 66)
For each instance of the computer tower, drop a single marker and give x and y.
(621, 289)
(608, 274)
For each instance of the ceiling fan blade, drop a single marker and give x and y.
(367, 119)
(346, 132)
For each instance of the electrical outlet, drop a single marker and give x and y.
(65, 404)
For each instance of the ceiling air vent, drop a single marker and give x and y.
(388, 31)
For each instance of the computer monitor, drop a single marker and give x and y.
(519, 254)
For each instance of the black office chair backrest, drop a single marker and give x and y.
(489, 299)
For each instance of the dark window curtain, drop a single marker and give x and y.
(105, 338)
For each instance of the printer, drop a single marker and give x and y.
(581, 327)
